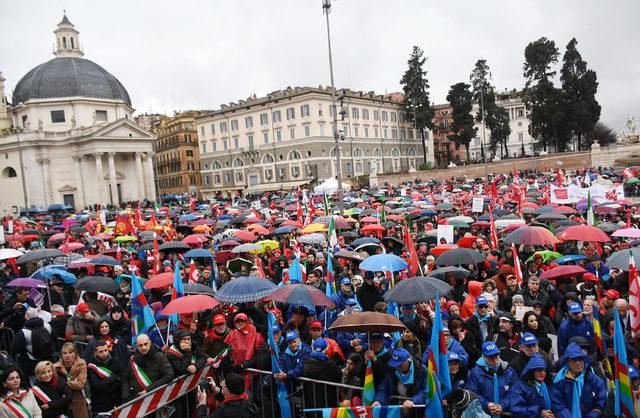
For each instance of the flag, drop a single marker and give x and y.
(260, 267)
(326, 203)
(393, 411)
(138, 218)
(294, 273)
(285, 408)
(493, 231)
(623, 396)
(156, 254)
(141, 315)
(516, 264)
(591, 220)
(177, 291)
(123, 226)
(330, 288)
(333, 237)
(601, 345)
(194, 274)
(369, 390)
(439, 347)
(153, 221)
(627, 173)
(382, 214)
(634, 296)
(414, 263)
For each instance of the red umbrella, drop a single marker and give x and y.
(604, 210)
(373, 228)
(439, 249)
(368, 219)
(562, 271)
(300, 294)
(530, 205)
(195, 239)
(566, 210)
(245, 236)
(72, 246)
(531, 235)
(584, 233)
(481, 224)
(159, 280)
(465, 242)
(230, 243)
(223, 256)
(207, 222)
(258, 229)
(61, 236)
(190, 304)
(292, 223)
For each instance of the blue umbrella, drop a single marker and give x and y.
(283, 230)
(48, 272)
(245, 289)
(383, 262)
(300, 294)
(104, 261)
(198, 253)
(225, 217)
(187, 218)
(568, 258)
(365, 240)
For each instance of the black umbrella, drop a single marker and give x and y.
(146, 247)
(174, 246)
(387, 240)
(38, 255)
(195, 289)
(97, 284)
(620, 259)
(460, 256)
(550, 217)
(348, 234)
(441, 273)
(236, 264)
(419, 289)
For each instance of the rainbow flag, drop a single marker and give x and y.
(360, 412)
(438, 378)
(369, 390)
(623, 396)
(141, 315)
(602, 347)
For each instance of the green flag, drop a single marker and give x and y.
(591, 220)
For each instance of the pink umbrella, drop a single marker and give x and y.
(562, 271)
(627, 233)
(584, 233)
(71, 246)
(190, 304)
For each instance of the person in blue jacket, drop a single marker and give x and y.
(575, 325)
(531, 396)
(490, 371)
(457, 371)
(291, 361)
(158, 334)
(453, 346)
(405, 377)
(576, 378)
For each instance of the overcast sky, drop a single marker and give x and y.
(178, 55)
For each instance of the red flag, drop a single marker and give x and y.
(628, 218)
(119, 253)
(516, 264)
(194, 274)
(138, 218)
(634, 296)
(260, 267)
(192, 204)
(153, 220)
(156, 255)
(123, 226)
(627, 173)
(493, 231)
(414, 263)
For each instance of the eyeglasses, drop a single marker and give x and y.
(482, 306)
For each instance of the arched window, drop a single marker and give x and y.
(357, 153)
(9, 172)
(395, 152)
(294, 155)
(268, 159)
(238, 162)
(377, 152)
(64, 41)
(72, 47)
(333, 152)
(412, 152)
(217, 165)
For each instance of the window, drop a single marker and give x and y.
(292, 133)
(223, 127)
(355, 132)
(366, 132)
(384, 115)
(375, 132)
(519, 124)
(304, 110)
(355, 113)
(376, 115)
(204, 148)
(319, 109)
(57, 116)
(213, 129)
(9, 172)
(291, 113)
(520, 136)
(248, 122)
(402, 117)
(234, 125)
(365, 114)
(264, 119)
(236, 142)
(520, 112)
(394, 134)
(307, 130)
(205, 180)
(403, 134)
(202, 131)
(227, 178)
(225, 145)
(278, 135)
(189, 153)
(190, 166)
(101, 115)
(250, 138)
(294, 155)
(265, 136)
(268, 159)
(394, 117)
(214, 146)
(322, 129)
(276, 117)
(410, 133)
(217, 165)
(268, 174)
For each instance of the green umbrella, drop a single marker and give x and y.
(546, 256)
(633, 180)
(125, 238)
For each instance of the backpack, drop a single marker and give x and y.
(40, 343)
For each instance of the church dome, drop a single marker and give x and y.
(69, 77)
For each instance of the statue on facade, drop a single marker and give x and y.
(27, 125)
(73, 122)
(373, 170)
(632, 125)
(40, 125)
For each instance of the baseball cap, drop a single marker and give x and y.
(529, 339)
(536, 302)
(481, 300)
(219, 319)
(345, 280)
(82, 308)
(316, 325)
(376, 336)
(633, 373)
(241, 317)
(446, 330)
(612, 294)
(398, 356)
(276, 328)
(453, 357)
(351, 301)
(574, 308)
(589, 277)
(490, 349)
(292, 335)
(320, 344)
(507, 317)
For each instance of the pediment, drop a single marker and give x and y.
(119, 176)
(67, 188)
(123, 129)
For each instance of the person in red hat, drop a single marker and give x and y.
(609, 299)
(81, 325)
(214, 341)
(333, 350)
(587, 287)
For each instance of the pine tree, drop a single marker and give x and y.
(416, 96)
(461, 100)
(500, 130)
(483, 94)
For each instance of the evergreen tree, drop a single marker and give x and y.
(483, 94)
(580, 86)
(416, 96)
(602, 134)
(461, 100)
(500, 130)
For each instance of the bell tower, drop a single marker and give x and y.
(67, 39)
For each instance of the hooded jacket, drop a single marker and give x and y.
(368, 295)
(244, 343)
(416, 390)
(293, 363)
(156, 366)
(525, 400)
(570, 328)
(181, 360)
(480, 382)
(468, 306)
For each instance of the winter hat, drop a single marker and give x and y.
(320, 345)
(234, 383)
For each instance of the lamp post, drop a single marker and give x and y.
(326, 8)
(15, 129)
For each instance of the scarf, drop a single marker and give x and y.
(578, 385)
(483, 320)
(382, 352)
(291, 353)
(405, 379)
(217, 337)
(405, 318)
(541, 387)
(232, 397)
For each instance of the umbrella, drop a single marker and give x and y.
(195, 239)
(367, 322)
(383, 262)
(419, 289)
(248, 248)
(198, 253)
(351, 255)
(546, 256)
(460, 219)
(314, 228)
(441, 273)
(366, 240)
(442, 248)
(504, 223)
(6, 253)
(38, 255)
(620, 259)
(569, 258)
(57, 237)
(71, 246)
(235, 265)
(283, 230)
(460, 256)
(125, 238)
(97, 284)
(562, 271)
(48, 272)
(584, 233)
(269, 243)
(198, 289)
(466, 242)
(312, 239)
(190, 304)
(300, 294)
(104, 261)
(67, 258)
(626, 232)
(160, 280)
(245, 236)
(174, 246)
(372, 228)
(388, 240)
(245, 289)
(531, 235)
(26, 282)
(550, 217)
(608, 227)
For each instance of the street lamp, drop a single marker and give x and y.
(326, 8)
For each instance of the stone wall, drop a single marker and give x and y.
(618, 155)
(567, 160)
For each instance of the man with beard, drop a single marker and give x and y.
(148, 369)
(214, 343)
(103, 373)
(507, 338)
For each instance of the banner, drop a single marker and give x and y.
(478, 205)
(573, 193)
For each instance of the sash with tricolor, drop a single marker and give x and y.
(101, 371)
(360, 412)
(143, 380)
(17, 408)
(220, 356)
(174, 350)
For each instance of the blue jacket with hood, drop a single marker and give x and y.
(480, 382)
(524, 399)
(594, 390)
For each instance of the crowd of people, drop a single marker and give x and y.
(528, 328)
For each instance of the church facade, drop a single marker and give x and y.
(71, 138)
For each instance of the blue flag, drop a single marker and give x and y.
(141, 315)
(285, 408)
(623, 398)
(176, 292)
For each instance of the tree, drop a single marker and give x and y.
(461, 100)
(500, 130)
(416, 95)
(602, 134)
(580, 86)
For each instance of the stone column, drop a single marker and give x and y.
(151, 194)
(77, 167)
(46, 179)
(112, 179)
(139, 177)
(99, 178)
